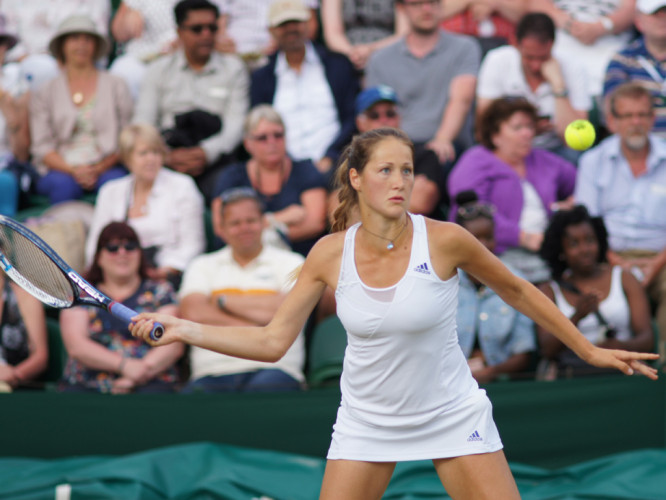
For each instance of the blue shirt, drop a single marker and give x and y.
(502, 331)
(633, 208)
(634, 63)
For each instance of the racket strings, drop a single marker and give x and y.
(33, 269)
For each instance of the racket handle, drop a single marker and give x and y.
(124, 312)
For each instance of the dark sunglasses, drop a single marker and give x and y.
(129, 246)
(264, 137)
(197, 29)
(472, 211)
(374, 115)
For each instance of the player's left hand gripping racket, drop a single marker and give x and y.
(36, 268)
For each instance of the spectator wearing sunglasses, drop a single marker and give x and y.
(523, 183)
(144, 30)
(293, 191)
(103, 356)
(497, 340)
(197, 97)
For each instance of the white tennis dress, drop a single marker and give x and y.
(407, 392)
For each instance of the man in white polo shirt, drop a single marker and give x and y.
(242, 284)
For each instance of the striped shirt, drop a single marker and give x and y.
(636, 64)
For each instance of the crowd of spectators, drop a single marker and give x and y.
(216, 125)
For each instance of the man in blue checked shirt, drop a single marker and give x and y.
(643, 61)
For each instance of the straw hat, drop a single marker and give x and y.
(77, 24)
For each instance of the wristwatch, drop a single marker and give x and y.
(561, 93)
(607, 23)
(220, 302)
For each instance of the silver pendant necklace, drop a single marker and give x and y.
(391, 244)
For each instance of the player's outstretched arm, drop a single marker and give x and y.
(268, 343)
(468, 254)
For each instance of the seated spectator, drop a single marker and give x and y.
(434, 74)
(196, 97)
(554, 86)
(244, 29)
(311, 87)
(75, 118)
(496, 339)
(164, 207)
(606, 303)
(377, 107)
(623, 180)
(492, 23)
(642, 61)
(293, 192)
(242, 284)
(357, 28)
(24, 349)
(524, 184)
(590, 33)
(103, 356)
(36, 22)
(14, 133)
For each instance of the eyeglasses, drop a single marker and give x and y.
(197, 29)
(129, 246)
(473, 210)
(376, 115)
(630, 116)
(264, 137)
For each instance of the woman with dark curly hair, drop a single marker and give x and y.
(524, 184)
(606, 303)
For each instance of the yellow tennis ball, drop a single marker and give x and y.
(579, 135)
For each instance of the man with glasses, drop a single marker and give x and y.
(644, 60)
(377, 107)
(242, 284)
(434, 74)
(199, 95)
(623, 180)
(311, 87)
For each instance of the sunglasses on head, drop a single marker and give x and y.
(197, 29)
(265, 137)
(129, 246)
(374, 115)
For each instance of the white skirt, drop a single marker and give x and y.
(467, 429)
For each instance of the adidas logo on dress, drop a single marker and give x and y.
(423, 268)
(475, 437)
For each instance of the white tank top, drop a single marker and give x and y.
(614, 308)
(403, 364)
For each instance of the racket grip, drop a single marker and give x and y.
(125, 313)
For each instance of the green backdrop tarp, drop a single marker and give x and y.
(541, 423)
(210, 471)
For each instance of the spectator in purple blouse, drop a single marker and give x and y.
(524, 184)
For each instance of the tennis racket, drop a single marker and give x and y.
(35, 267)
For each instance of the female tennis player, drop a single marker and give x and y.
(407, 392)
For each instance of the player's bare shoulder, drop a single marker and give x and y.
(324, 259)
(443, 234)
